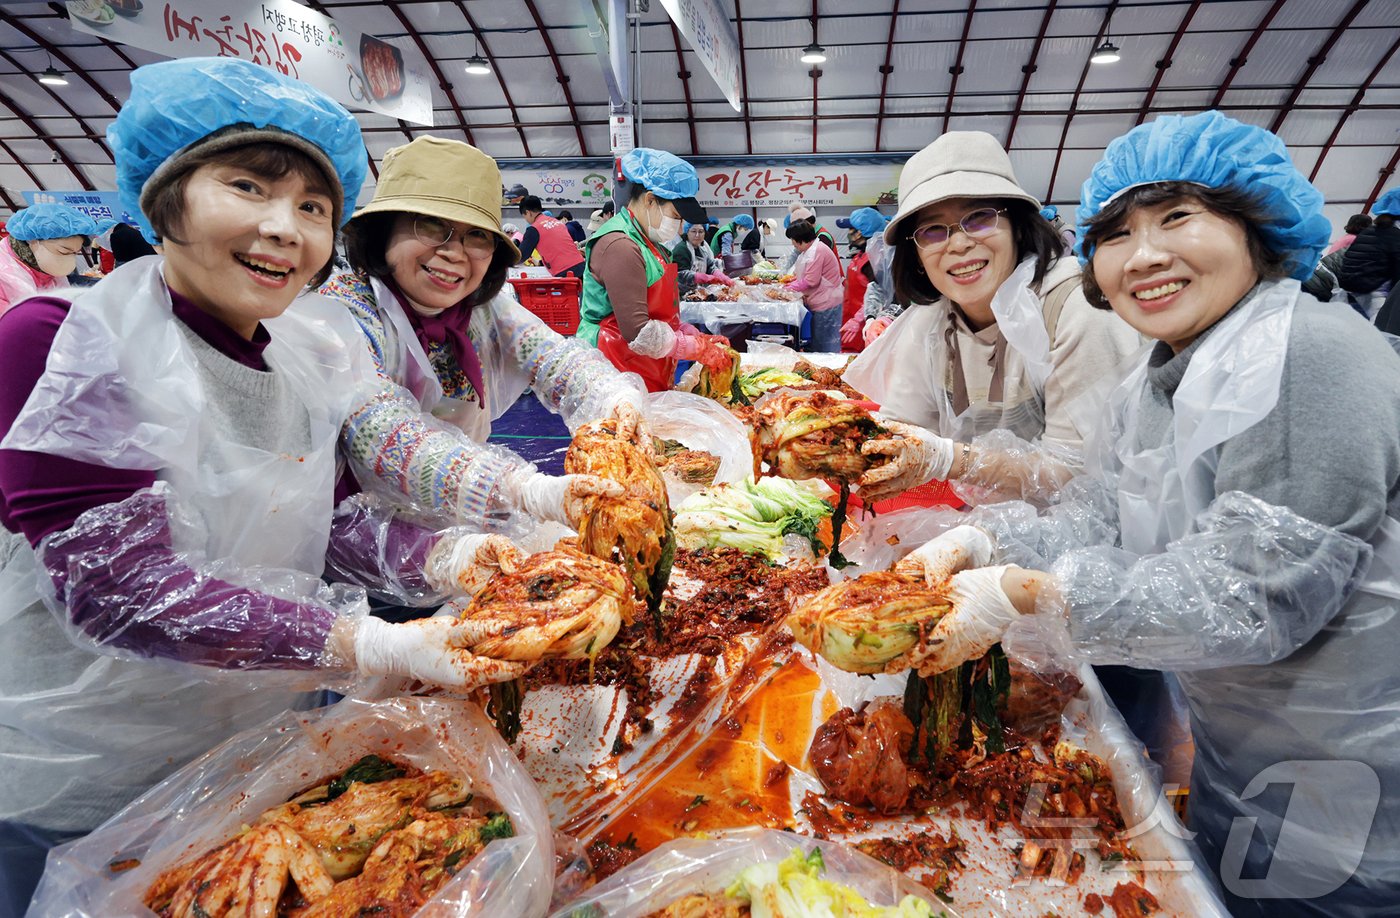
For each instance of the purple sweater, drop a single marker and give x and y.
(129, 562)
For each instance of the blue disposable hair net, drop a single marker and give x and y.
(1050, 211)
(664, 174)
(174, 104)
(744, 220)
(1389, 203)
(868, 221)
(1215, 151)
(51, 221)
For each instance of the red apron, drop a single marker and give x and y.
(663, 302)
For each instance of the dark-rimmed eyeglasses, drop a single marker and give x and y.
(436, 233)
(977, 223)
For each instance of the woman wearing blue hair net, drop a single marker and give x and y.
(41, 250)
(169, 453)
(631, 295)
(1241, 527)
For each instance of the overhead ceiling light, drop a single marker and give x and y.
(1105, 53)
(53, 77)
(476, 64)
(814, 54)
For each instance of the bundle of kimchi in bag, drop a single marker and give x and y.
(405, 807)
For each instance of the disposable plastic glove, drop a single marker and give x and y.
(655, 339)
(915, 456)
(874, 328)
(960, 548)
(711, 350)
(430, 650)
(714, 279)
(460, 565)
(564, 498)
(631, 426)
(981, 613)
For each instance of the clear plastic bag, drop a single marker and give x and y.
(205, 803)
(691, 866)
(700, 424)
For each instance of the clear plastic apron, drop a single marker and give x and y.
(1332, 700)
(81, 734)
(884, 367)
(407, 362)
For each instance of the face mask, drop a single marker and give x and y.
(51, 261)
(668, 229)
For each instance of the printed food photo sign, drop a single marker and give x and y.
(358, 70)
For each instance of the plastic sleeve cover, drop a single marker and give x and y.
(877, 299)
(374, 546)
(567, 376)
(1005, 467)
(656, 339)
(124, 590)
(392, 443)
(1251, 585)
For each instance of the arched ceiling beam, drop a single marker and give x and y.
(1002, 112)
(1239, 60)
(38, 185)
(72, 113)
(40, 135)
(1351, 108)
(685, 85)
(1385, 175)
(9, 201)
(505, 90)
(1316, 61)
(1028, 71)
(19, 26)
(558, 73)
(743, 75)
(885, 72)
(1166, 61)
(437, 71)
(956, 70)
(1074, 102)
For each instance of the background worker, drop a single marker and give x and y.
(551, 238)
(631, 290)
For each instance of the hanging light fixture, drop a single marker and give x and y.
(814, 53)
(478, 65)
(1107, 51)
(53, 76)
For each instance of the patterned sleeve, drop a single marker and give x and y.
(396, 448)
(568, 377)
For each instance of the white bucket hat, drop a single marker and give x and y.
(960, 164)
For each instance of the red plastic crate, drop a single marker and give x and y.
(553, 299)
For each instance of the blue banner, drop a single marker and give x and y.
(101, 206)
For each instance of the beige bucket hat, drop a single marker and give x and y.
(960, 164)
(441, 178)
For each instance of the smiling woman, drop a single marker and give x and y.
(1000, 337)
(170, 461)
(429, 261)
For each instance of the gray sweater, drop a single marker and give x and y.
(1328, 451)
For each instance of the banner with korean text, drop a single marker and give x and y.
(358, 70)
(838, 187)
